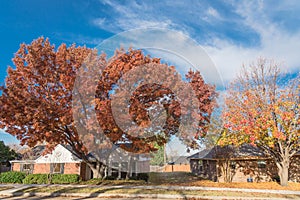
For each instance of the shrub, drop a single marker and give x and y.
(36, 179)
(143, 176)
(12, 177)
(64, 178)
(51, 178)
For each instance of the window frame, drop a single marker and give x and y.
(54, 167)
(233, 164)
(27, 169)
(261, 164)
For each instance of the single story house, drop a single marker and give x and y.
(246, 163)
(62, 160)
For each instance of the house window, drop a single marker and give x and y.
(261, 164)
(27, 168)
(115, 165)
(200, 164)
(115, 169)
(232, 164)
(57, 168)
(124, 166)
(133, 167)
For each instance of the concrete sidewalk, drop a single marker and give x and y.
(16, 190)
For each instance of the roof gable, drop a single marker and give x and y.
(60, 154)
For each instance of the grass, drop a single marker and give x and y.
(178, 178)
(153, 191)
(168, 179)
(187, 179)
(96, 181)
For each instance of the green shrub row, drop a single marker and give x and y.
(20, 177)
(36, 179)
(64, 178)
(12, 177)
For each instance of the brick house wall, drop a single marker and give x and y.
(45, 168)
(15, 167)
(294, 171)
(205, 168)
(72, 168)
(41, 168)
(244, 169)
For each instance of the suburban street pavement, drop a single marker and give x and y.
(71, 198)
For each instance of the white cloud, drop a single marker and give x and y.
(226, 50)
(170, 45)
(275, 43)
(99, 22)
(213, 12)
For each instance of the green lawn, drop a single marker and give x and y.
(158, 178)
(112, 182)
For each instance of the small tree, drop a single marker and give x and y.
(225, 154)
(6, 154)
(158, 156)
(261, 111)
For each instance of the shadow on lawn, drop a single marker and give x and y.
(137, 193)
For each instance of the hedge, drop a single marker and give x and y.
(64, 178)
(12, 177)
(51, 178)
(36, 179)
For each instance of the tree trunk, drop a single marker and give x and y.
(129, 168)
(225, 171)
(283, 171)
(97, 171)
(105, 172)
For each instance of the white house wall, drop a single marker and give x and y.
(59, 155)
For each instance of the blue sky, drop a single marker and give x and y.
(231, 32)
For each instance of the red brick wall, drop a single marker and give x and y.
(44, 168)
(294, 171)
(72, 168)
(41, 168)
(15, 167)
(246, 169)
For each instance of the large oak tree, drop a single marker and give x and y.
(37, 102)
